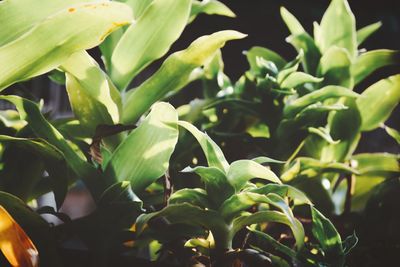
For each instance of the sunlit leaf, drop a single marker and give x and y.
(210, 7)
(367, 31)
(143, 156)
(335, 67)
(299, 78)
(174, 73)
(268, 55)
(338, 28)
(291, 22)
(304, 42)
(148, 39)
(53, 46)
(383, 96)
(373, 60)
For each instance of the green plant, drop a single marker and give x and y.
(312, 118)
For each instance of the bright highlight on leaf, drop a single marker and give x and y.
(16, 246)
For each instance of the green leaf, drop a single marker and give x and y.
(89, 92)
(323, 133)
(118, 193)
(193, 196)
(210, 7)
(367, 31)
(327, 92)
(53, 46)
(283, 191)
(266, 54)
(241, 171)
(296, 79)
(393, 133)
(383, 96)
(217, 185)
(349, 243)
(11, 14)
(371, 61)
(335, 67)
(327, 236)
(30, 112)
(304, 42)
(186, 214)
(264, 241)
(174, 73)
(263, 160)
(271, 216)
(214, 155)
(138, 6)
(148, 39)
(376, 164)
(152, 144)
(292, 23)
(338, 28)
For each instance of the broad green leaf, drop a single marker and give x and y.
(30, 112)
(268, 55)
(174, 73)
(264, 241)
(304, 42)
(144, 155)
(299, 78)
(89, 92)
(117, 193)
(214, 155)
(217, 185)
(53, 46)
(335, 67)
(263, 160)
(343, 125)
(187, 214)
(327, 92)
(38, 145)
(284, 191)
(210, 7)
(327, 236)
(338, 28)
(138, 6)
(12, 15)
(148, 39)
(271, 216)
(395, 134)
(383, 96)
(323, 133)
(195, 196)
(292, 23)
(374, 164)
(373, 60)
(241, 171)
(367, 31)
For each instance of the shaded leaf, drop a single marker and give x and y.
(335, 67)
(304, 42)
(266, 54)
(299, 78)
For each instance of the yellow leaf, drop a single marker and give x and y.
(15, 244)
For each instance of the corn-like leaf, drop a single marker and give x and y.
(335, 67)
(367, 31)
(378, 101)
(283, 191)
(299, 78)
(371, 61)
(138, 6)
(327, 236)
(30, 112)
(241, 171)
(265, 241)
(194, 196)
(338, 28)
(144, 155)
(174, 73)
(210, 7)
(53, 46)
(271, 216)
(148, 39)
(15, 244)
(12, 15)
(292, 23)
(212, 151)
(376, 164)
(304, 42)
(266, 54)
(217, 185)
(292, 108)
(395, 134)
(90, 92)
